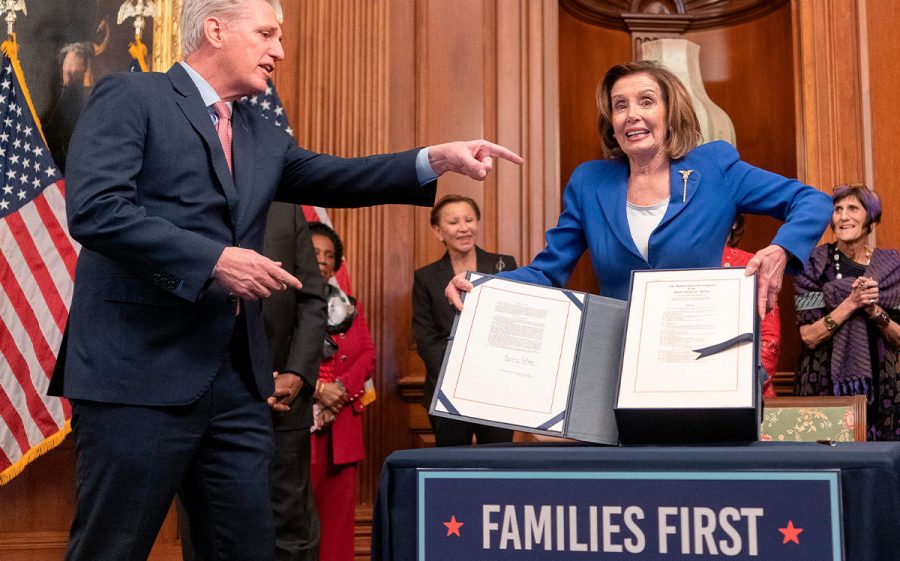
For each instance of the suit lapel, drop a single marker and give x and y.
(445, 268)
(611, 193)
(242, 153)
(489, 263)
(198, 115)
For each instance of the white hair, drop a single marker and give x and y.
(194, 14)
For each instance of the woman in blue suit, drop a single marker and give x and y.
(662, 201)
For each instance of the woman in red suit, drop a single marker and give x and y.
(337, 443)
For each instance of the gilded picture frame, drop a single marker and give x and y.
(166, 34)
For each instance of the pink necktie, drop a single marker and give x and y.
(223, 128)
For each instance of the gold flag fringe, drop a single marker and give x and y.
(36, 452)
(11, 49)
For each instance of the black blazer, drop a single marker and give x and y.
(295, 319)
(150, 197)
(433, 315)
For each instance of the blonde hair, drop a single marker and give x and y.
(682, 126)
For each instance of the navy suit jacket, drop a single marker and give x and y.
(150, 197)
(694, 229)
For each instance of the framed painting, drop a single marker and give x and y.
(65, 47)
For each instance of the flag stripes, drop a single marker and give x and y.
(37, 270)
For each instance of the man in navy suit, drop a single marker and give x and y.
(165, 356)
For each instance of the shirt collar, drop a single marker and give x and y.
(207, 93)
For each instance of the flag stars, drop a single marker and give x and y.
(27, 132)
(5, 84)
(265, 105)
(4, 137)
(11, 175)
(14, 159)
(49, 171)
(36, 183)
(21, 195)
(4, 204)
(38, 151)
(279, 110)
(17, 144)
(7, 189)
(8, 122)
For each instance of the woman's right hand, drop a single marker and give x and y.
(455, 288)
(864, 293)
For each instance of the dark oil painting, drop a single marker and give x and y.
(65, 46)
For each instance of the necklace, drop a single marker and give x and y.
(837, 261)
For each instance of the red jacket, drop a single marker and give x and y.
(353, 363)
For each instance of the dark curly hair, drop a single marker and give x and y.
(321, 229)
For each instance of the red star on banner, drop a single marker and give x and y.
(791, 533)
(453, 527)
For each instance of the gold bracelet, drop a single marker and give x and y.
(830, 324)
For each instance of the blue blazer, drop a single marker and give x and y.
(693, 230)
(151, 199)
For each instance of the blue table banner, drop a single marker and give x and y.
(488, 515)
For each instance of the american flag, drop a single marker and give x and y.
(37, 268)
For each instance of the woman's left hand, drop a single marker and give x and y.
(768, 263)
(331, 396)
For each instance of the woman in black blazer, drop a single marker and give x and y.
(454, 220)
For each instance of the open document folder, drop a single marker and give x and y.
(549, 361)
(534, 359)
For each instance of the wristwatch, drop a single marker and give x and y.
(830, 324)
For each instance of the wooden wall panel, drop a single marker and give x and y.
(881, 18)
(829, 108)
